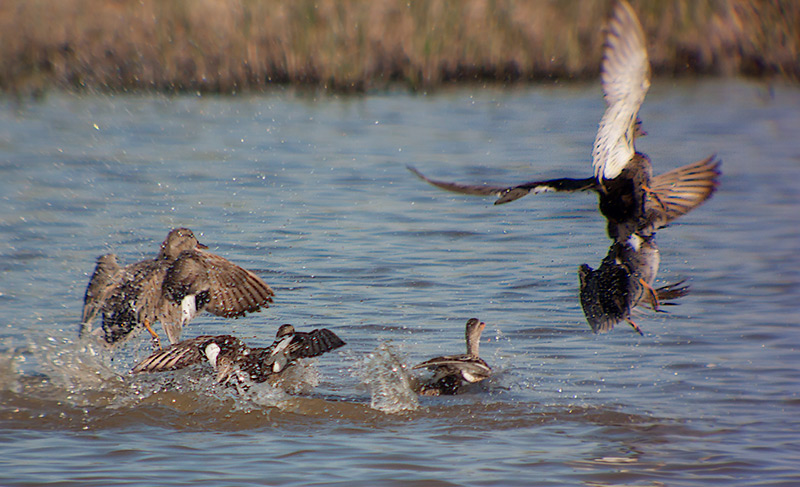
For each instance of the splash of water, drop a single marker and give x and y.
(391, 387)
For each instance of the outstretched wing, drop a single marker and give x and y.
(626, 79)
(299, 345)
(105, 273)
(314, 343)
(472, 189)
(222, 286)
(233, 290)
(306, 345)
(177, 356)
(510, 193)
(677, 192)
(536, 187)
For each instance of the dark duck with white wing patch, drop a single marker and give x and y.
(631, 199)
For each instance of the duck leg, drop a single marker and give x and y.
(652, 295)
(635, 327)
(156, 341)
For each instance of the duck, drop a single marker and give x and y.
(624, 279)
(452, 372)
(630, 198)
(172, 288)
(235, 361)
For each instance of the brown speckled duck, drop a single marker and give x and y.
(181, 281)
(232, 359)
(451, 372)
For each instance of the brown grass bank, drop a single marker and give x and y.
(353, 45)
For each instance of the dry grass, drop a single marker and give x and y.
(355, 45)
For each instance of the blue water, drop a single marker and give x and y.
(312, 194)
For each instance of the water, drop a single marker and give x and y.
(313, 195)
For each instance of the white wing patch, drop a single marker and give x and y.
(281, 359)
(470, 377)
(188, 309)
(635, 242)
(212, 352)
(626, 79)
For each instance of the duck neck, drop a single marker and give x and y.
(473, 342)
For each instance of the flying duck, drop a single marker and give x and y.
(630, 198)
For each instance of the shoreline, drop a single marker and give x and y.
(234, 46)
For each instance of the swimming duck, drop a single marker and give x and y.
(623, 281)
(452, 371)
(232, 359)
(181, 281)
(630, 198)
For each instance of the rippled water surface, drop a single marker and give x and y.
(314, 196)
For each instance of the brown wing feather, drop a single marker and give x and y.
(447, 360)
(313, 343)
(234, 291)
(150, 295)
(511, 193)
(177, 356)
(473, 189)
(105, 273)
(682, 189)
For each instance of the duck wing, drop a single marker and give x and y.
(212, 283)
(677, 192)
(506, 194)
(189, 352)
(625, 76)
(233, 290)
(105, 273)
(471, 368)
(177, 356)
(302, 345)
(471, 189)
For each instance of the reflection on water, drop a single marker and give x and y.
(313, 195)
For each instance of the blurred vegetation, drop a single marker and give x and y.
(356, 45)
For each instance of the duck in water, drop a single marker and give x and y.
(452, 372)
(233, 360)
